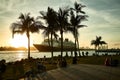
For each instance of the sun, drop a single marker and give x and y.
(19, 41)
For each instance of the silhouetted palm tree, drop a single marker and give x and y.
(75, 25)
(62, 21)
(26, 24)
(97, 42)
(75, 19)
(50, 18)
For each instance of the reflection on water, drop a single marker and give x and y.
(20, 55)
(11, 56)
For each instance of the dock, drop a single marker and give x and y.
(109, 50)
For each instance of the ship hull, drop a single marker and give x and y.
(45, 48)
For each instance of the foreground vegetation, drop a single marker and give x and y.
(16, 70)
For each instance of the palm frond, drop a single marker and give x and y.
(81, 26)
(78, 7)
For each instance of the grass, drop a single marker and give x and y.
(16, 70)
(96, 60)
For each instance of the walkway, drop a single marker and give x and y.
(84, 72)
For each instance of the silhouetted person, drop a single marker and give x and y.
(87, 53)
(74, 60)
(75, 54)
(107, 62)
(44, 58)
(114, 63)
(83, 54)
(66, 54)
(2, 68)
(59, 63)
(64, 63)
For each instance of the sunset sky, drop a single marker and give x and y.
(104, 19)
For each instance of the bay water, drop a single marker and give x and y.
(11, 56)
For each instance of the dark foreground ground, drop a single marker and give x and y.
(82, 72)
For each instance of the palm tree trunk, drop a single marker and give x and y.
(29, 48)
(61, 32)
(75, 39)
(28, 35)
(75, 45)
(52, 47)
(98, 49)
(49, 40)
(78, 45)
(95, 49)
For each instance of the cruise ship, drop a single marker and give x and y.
(44, 46)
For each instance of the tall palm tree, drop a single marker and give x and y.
(75, 21)
(62, 22)
(26, 24)
(77, 16)
(50, 17)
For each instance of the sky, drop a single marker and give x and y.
(103, 20)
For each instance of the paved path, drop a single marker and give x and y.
(84, 72)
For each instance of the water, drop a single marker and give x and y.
(11, 56)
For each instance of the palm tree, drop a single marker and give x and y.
(50, 17)
(75, 25)
(62, 22)
(75, 19)
(26, 24)
(97, 42)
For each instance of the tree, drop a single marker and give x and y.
(26, 24)
(97, 42)
(50, 18)
(62, 22)
(76, 17)
(102, 42)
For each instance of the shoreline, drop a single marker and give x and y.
(12, 56)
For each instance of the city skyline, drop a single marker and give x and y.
(103, 19)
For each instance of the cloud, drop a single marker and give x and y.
(73, 1)
(103, 17)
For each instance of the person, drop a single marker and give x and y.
(44, 57)
(64, 63)
(75, 54)
(2, 68)
(87, 53)
(74, 60)
(107, 62)
(83, 54)
(59, 63)
(41, 68)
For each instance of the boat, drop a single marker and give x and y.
(44, 46)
